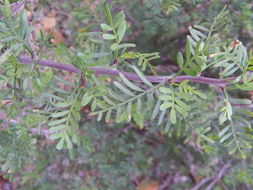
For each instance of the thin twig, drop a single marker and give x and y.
(202, 182)
(130, 76)
(219, 176)
(213, 179)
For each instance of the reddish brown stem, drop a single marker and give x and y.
(130, 76)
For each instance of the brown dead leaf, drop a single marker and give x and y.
(58, 37)
(148, 185)
(48, 22)
(48, 25)
(6, 102)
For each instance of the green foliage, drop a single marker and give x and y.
(122, 114)
(12, 141)
(117, 29)
(127, 100)
(167, 6)
(143, 59)
(14, 30)
(231, 60)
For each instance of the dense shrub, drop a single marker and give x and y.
(117, 94)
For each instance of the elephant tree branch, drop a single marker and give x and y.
(130, 76)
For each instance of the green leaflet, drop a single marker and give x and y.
(223, 131)
(57, 135)
(109, 101)
(106, 27)
(108, 15)
(116, 96)
(180, 60)
(117, 46)
(165, 106)
(118, 113)
(116, 28)
(129, 84)
(200, 27)
(59, 145)
(161, 118)
(187, 51)
(226, 113)
(142, 77)
(241, 101)
(119, 19)
(63, 104)
(108, 116)
(123, 89)
(156, 109)
(173, 117)
(109, 37)
(73, 123)
(68, 142)
(94, 105)
(165, 90)
(166, 97)
(129, 111)
(57, 122)
(60, 114)
(99, 117)
(225, 137)
(121, 30)
(138, 105)
(57, 128)
(86, 99)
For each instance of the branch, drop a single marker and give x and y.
(219, 176)
(214, 179)
(130, 76)
(202, 182)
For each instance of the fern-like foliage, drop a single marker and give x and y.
(64, 124)
(236, 135)
(143, 59)
(12, 141)
(203, 50)
(14, 30)
(126, 101)
(167, 6)
(173, 107)
(179, 103)
(197, 46)
(115, 31)
(64, 114)
(193, 64)
(232, 60)
(116, 99)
